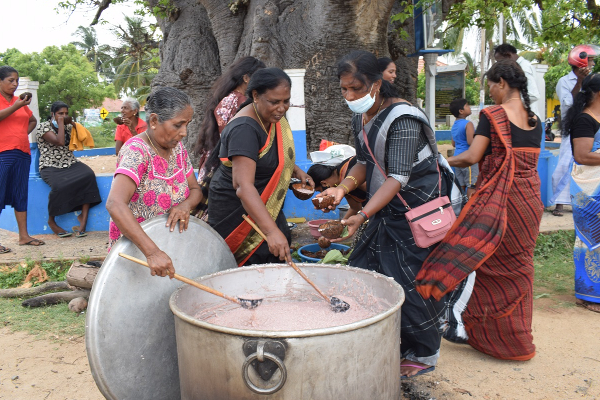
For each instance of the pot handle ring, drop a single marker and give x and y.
(260, 355)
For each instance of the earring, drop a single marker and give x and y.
(153, 127)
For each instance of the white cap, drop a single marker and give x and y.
(333, 155)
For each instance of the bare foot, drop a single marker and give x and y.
(56, 229)
(411, 368)
(595, 307)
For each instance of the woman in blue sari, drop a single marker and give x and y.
(582, 126)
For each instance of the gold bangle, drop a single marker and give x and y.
(345, 187)
(353, 178)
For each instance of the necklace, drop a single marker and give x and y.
(174, 188)
(259, 119)
(592, 114)
(512, 98)
(379, 109)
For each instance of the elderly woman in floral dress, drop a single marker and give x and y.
(154, 176)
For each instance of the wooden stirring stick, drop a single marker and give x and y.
(336, 304)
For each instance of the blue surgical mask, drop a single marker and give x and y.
(54, 123)
(363, 104)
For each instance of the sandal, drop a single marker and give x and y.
(64, 234)
(595, 307)
(33, 242)
(4, 249)
(557, 213)
(423, 370)
(79, 233)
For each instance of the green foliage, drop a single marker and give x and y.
(13, 276)
(99, 55)
(553, 261)
(104, 135)
(553, 75)
(56, 321)
(64, 74)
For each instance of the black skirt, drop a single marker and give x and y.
(71, 188)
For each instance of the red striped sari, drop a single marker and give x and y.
(495, 235)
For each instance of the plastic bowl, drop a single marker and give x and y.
(314, 227)
(315, 247)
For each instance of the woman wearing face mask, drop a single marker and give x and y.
(404, 146)
(252, 170)
(72, 183)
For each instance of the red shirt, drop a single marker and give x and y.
(13, 129)
(124, 134)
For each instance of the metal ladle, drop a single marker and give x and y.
(337, 305)
(245, 303)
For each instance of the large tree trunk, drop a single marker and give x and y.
(205, 36)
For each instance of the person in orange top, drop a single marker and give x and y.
(132, 123)
(16, 122)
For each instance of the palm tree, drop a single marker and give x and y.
(99, 55)
(137, 60)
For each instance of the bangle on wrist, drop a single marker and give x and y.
(345, 187)
(364, 215)
(353, 179)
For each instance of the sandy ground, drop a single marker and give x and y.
(101, 164)
(567, 365)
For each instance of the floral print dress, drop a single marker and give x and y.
(161, 184)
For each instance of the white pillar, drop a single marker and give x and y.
(27, 85)
(296, 115)
(430, 73)
(540, 71)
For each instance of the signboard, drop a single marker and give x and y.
(449, 85)
(428, 26)
(91, 117)
(103, 113)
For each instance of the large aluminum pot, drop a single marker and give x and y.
(356, 361)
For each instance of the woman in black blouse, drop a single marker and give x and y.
(403, 144)
(72, 183)
(582, 125)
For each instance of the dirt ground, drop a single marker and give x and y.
(567, 364)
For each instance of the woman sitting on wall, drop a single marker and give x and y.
(154, 176)
(72, 184)
(132, 123)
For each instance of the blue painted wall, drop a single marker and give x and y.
(37, 214)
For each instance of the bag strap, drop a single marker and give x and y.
(383, 172)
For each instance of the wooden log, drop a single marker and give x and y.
(82, 275)
(55, 298)
(25, 292)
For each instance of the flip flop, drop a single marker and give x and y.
(79, 233)
(423, 370)
(33, 242)
(4, 249)
(595, 307)
(64, 234)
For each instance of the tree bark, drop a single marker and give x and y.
(55, 298)
(82, 275)
(46, 287)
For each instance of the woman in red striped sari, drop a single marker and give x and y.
(496, 231)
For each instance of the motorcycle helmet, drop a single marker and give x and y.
(578, 57)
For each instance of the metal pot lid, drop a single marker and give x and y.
(130, 330)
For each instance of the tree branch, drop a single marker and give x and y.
(101, 7)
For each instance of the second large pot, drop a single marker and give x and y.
(355, 361)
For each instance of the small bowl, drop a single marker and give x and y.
(118, 120)
(314, 227)
(302, 193)
(315, 247)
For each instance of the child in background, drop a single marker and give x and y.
(462, 136)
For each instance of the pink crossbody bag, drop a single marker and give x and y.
(429, 222)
